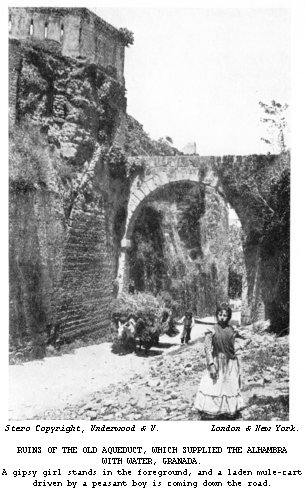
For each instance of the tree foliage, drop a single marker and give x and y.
(126, 36)
(275, 118)
(139, 143)
(275, 251)
(258, 187)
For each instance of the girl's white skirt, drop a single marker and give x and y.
(222, 395)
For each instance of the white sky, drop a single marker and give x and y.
(197, 74)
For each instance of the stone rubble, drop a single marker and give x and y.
(168, 392)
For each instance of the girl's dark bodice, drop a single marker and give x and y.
(223, 341)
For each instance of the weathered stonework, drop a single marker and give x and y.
(15, 60)
(218, 176)
(64, 230)
(90, 258)
(215, 249)
(37, 234)
(78, 32)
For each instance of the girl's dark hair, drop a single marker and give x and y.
(226, 307)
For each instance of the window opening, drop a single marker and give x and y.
(10, 23)
(31, 27)
(46, 29)
(62, 30)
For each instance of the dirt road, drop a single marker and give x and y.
(59, 381)
(93, 383)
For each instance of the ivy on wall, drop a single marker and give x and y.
(258, 188)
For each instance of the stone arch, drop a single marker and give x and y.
(218, 175)
(137, 202)
(134, 210)
(160, 172)
(157, 177)
(222, 176)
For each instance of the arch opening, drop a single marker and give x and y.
(176, 248)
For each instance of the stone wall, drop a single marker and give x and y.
(76, 102)
(215, 250)
(62, 269)
(37, 236)
(90, 258)
(78, 32)
(15, 60)
(65, 197)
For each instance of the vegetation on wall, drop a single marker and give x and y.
(126, 36)
(74, 102)
(66, 188)
(276, 248)
(29, 159)
(139, 143)
(258, 187)
(274, 117)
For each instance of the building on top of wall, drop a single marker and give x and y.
(79, 32)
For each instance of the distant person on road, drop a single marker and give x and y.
(219, 391)
(188, 323)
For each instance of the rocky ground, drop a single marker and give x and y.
(167, 388)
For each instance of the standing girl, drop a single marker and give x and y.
(219, 390)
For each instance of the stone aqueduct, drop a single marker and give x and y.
(159, 172)
(209, 171)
